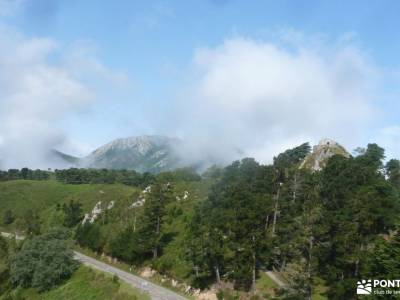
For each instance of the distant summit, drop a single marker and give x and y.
(147, 153)
(320, 154)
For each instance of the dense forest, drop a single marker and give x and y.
(325, 228)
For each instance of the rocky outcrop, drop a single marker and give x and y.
(206, 295)
(142, 198)
(184, 197)
(97, 210)
(147, 272)
(325, 149)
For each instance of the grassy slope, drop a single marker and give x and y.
(42, 196)
(87, 284)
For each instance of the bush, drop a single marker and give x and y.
(116, 279)
(44, 261)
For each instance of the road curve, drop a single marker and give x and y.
(156, 292)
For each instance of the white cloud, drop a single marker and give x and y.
(38, 89)
(261, 97)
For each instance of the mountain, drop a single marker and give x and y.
(58, 155)
(148, 153)
(143, 154)
(320, 154)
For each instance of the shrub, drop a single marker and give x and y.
(44, 261)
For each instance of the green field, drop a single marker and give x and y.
(41, 196)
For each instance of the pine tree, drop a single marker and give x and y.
(393, 172)
(153, 218)
(73, 213)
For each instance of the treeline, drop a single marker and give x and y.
(85, 176)
(127, 177)
(24, 173)
(100, 176)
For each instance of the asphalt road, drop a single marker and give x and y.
(156, 292)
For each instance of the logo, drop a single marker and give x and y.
(364, 287)
(378, 287)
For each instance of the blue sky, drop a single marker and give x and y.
(145, 63)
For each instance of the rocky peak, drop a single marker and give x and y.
(325, 149)
(147, 153)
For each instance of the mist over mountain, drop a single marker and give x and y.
(147, 153)
(156, 153)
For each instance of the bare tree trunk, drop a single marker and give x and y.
(275, 216)
(283, 264)
(266, 222)
(294, 188)
(217, 275)
(275, 210)
(254, 272)
(357, 265)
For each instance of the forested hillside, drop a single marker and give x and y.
(321, 230)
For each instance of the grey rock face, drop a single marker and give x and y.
(325, 149)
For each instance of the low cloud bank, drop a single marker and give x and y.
(254, 98)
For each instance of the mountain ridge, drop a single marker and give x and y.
(157, 153)
(145, 153)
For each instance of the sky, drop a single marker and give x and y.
(224, 75)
